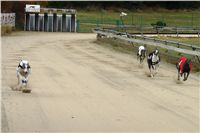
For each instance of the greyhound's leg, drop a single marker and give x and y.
(186, 74)
(138, 55)
(181, 75)
(17, 87)
(152, 75)
(150, 66)
(18, 79)
(178, 75)
(142, 58)
(151, 71)
(155, 69)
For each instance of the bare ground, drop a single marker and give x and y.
(81, 86)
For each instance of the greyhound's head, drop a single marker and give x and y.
(24, 65)
(156, 52)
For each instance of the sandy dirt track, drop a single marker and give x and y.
(81, 86)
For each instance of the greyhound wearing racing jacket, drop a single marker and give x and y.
(184, 67)
(23, 73)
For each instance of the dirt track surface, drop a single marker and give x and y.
(81, 86)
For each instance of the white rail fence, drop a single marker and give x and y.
(150, 41)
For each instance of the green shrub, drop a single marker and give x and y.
(159, 24)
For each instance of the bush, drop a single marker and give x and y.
(159, 24)
(5, 30)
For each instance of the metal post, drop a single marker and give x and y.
(101, 17)
(38, 24)
(192, 20)
(54, 21)
(102, 12)
(25, 22)
(75, 23)
(70, 24)
(132, 19)
(141, 24)
(36, 21)
(43, 25)
(63, 22)
(29, 27)
(45, 22)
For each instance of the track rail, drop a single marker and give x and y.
(150, 41)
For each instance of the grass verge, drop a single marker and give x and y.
(170, 17)
(130, 48)
(190, 40)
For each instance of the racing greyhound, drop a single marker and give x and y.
(23, 72)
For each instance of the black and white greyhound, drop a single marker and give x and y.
(153, 61)
(23, 72)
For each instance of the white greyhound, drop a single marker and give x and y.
(141, 54)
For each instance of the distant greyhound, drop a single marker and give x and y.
(141, 53)
(184, 67)
(153, 61)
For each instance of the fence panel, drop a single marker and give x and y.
(187, 20)
(8, 19)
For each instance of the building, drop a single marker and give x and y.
(49, 19)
